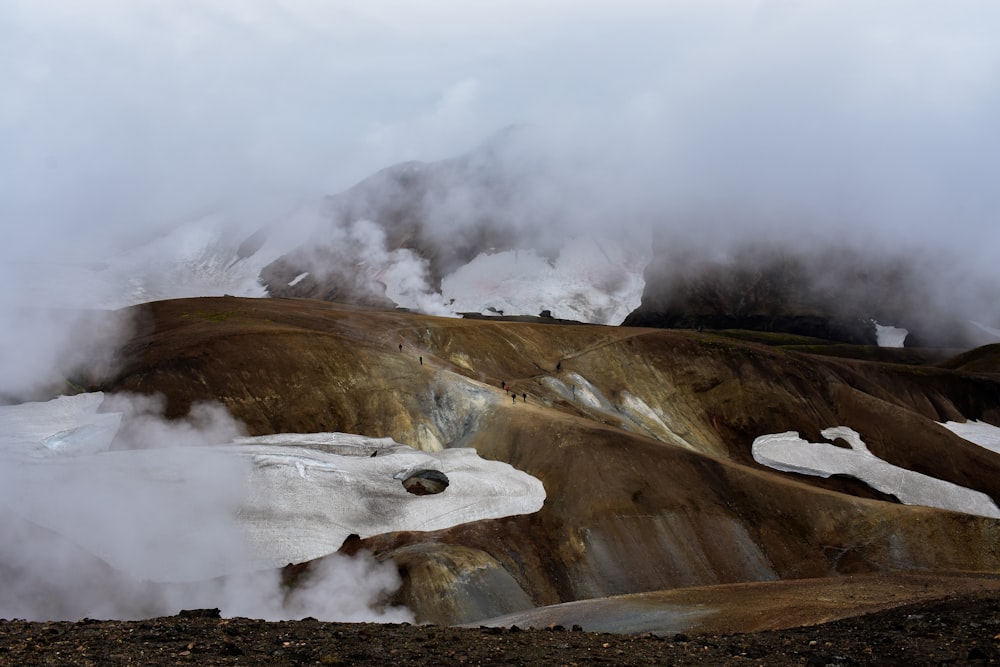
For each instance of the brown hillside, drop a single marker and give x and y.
(641, 436)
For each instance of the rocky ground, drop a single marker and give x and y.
(960, 630)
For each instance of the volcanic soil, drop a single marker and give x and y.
(683, 511)
(958, 630)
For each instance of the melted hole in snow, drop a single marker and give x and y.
(840, 442)
(426, 482)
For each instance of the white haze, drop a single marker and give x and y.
(126, 121)
(121, 117)
(159, 523)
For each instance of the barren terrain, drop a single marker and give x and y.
(958, 630)
(656, 518)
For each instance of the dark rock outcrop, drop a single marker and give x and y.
(444, 212)
(836, 293)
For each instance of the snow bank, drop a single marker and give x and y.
(790, 453)
(193, 512)
(887, 336)
(592, 280)
(309, 493)
(977, 432)
(65, 425)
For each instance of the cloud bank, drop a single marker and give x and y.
(710, 124)
(122, 115)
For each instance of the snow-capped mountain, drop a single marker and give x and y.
(485, 233)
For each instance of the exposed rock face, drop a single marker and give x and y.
(642, 438)
(434, 218)
(445, 212)
(837, 293)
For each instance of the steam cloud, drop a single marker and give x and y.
(114, 534)
(765, 120)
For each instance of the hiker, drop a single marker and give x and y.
(558, 366)
(513, 399)
(524, 398)
(503, 385)
(421, 361)
(400, 347)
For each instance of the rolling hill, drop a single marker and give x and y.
(641, 437)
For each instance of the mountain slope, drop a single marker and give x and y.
(642, 438)
(837, 292)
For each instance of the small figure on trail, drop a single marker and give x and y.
(503, 385)
(524, 397)
(558, 366)
(400, 347)
(421, 361)
(513, 399)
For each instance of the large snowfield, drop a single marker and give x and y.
(190, 514)
(187, 513)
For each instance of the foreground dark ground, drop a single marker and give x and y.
(962, 630)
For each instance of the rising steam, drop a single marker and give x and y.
(117, 534)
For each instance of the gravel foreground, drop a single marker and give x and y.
(963, 630)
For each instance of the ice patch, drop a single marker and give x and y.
(651, 421)
(977, 432)
(86, 439)
(580, 391)
(887, 336)
(790, 453)
(587, 394)
(635, 414)
(639, 411)
(65, 425)
(304, 503)
(592, 280)
(256, 503)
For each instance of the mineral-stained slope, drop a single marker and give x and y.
(642, 438)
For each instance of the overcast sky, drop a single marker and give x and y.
(118, 115)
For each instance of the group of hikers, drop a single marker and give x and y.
(503, 383)
(513, 394)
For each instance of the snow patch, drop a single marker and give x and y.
(66, 425)
(592, 280)
(651, 421)
(297, 279)
(889, 336)
(790, 453)
(205, 256)
(977, 432)
(587, 394)
(280, 499)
